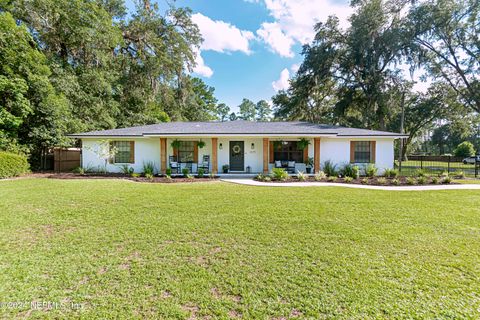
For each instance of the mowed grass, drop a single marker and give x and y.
(119, 249)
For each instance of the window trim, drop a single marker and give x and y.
(176, 151)
(131, 159)
(372, 151)
(303, 152)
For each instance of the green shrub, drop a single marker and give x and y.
(460, 175)
(332, 178)
(12, 165)
(447, 180)
(190, 177)
(149, 176)
(168, 178)
(395, 182)
(260, 177)
(168, 172)
(422, 180)
(411, 181)
(185, 172)
(390, 173)
(301, 176)
(267, 179)
(329, 168)
(464, 149)
(319, 176)
(348, 179)
(200, 172)
(420, 173)
(279, 174)
(435, 180)
(79, 170)
(371, 170)
(135, 175)
(126, 169)
(351, 171)
(364, 181)
(148, 168)
(382, 180)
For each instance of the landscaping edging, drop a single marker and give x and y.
(250, 182)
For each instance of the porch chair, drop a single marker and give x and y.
(174, 165)
(205, 164)
(291, 166)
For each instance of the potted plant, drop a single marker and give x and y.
(309, 164)
(201, 144)
(277, 144)
(225, 168)
(302, 144)
(175, 144)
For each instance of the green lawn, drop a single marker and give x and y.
(120, 249)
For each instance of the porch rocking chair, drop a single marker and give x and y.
(205, 164)
(174, 165)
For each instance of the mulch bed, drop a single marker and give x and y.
(161, 179)
(371, 181)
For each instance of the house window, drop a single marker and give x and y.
(186, 151)
(287, 151)
(124, 152)
(362, 152)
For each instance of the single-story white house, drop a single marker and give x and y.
(243, 146)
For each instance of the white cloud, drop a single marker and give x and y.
(294, 22)
(282, 83)
(222, 36)
(201, 68)
(295, 67)
(272, 34)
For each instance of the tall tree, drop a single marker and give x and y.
(347, 75)
(223, 111)
(247, 110)
(33, 116)
(423, 110)
(263, 110)
(446, 37)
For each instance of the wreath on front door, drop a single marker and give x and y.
(236, 149)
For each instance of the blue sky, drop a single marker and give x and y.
(252, 47)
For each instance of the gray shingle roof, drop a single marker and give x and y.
(239, 127)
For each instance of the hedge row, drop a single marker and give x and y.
(12, 165)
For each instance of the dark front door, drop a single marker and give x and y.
(236, 156)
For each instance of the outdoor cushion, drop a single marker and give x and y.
(278, 163)
(291, 163)
(173, 164)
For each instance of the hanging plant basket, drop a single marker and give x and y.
(277, 144)
(201, 144)
(302, 144)
(175, 144)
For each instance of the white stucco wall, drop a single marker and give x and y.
(146, 149)
(337, 150)
(253, 157)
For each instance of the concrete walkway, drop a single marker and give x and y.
(249, 182)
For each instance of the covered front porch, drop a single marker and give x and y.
(238, 156)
